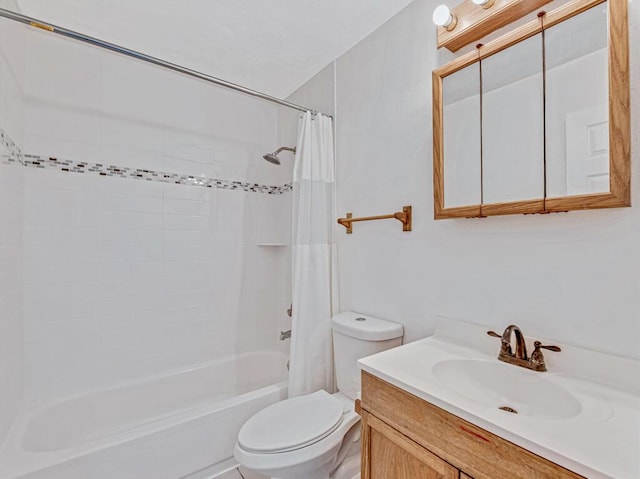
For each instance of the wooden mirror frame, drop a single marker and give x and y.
(619, 194)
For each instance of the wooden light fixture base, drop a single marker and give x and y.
(476, 22)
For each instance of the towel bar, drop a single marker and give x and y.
(403, 216)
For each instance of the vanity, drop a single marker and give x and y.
(445, 407)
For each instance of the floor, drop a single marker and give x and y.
(240, 473)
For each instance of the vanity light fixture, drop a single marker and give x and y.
(484, 3)
(443, 17)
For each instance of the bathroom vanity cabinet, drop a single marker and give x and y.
(406, 437)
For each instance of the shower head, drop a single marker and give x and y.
(273, 157)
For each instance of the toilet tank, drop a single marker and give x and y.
(356, 336)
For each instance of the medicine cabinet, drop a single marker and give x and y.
(537, 121)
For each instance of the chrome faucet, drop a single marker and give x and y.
(285, 335)
(520, 358)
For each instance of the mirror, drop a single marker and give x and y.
(553, 117)
(513, 123)
(577, 92)
(461, 121)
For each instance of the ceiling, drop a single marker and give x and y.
(273, 46)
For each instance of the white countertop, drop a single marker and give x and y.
(601, 441)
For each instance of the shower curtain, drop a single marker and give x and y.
(313, 256)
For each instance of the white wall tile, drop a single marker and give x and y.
(134, 90)
(184, 192)
(12, 39)
(124, 186)
(127, 278)
(175, 206)
(77, 85)
(11, 222)
(63, 131)
(185, 223)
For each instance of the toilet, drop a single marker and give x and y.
(317, 436)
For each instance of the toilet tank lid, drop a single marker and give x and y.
(363, 326)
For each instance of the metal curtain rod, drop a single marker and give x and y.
(18, 17)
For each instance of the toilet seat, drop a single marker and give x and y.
(308, 460)
(292, 424)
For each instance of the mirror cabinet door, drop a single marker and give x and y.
(577, 112)
(461, 137)
(513, 123)
(537, 120)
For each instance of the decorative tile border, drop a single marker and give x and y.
(14, 155)
(11, 153)
(83, 167)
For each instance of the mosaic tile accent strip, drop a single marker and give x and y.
(83, 167)
(11, 154)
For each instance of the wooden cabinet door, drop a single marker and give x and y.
(388, 454)
(464, 476)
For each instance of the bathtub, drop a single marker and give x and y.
(179, 425)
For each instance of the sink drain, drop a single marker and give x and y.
(508, 409)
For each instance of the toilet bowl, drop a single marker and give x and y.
(317, 436)
(301, 437)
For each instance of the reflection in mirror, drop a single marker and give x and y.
(461, 121)
(513, 120)
(577, 105)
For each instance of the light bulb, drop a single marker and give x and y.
(484, 3)
(443, 17)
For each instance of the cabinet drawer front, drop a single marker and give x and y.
(471, 449)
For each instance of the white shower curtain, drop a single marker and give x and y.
(311, 361)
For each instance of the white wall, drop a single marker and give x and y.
(127, 278)
(11, 211)
(570, 276)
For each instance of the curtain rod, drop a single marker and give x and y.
(18, 17)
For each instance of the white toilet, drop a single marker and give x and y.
(317, 436)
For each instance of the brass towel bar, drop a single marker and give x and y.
(403, 216)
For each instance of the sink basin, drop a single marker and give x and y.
(510, 388)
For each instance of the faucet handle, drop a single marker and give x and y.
(537, 359)
(538, 346)
(505, 345)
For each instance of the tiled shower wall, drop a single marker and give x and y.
(125, 277)
(11, 206)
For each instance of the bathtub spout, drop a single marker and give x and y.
(285, 335)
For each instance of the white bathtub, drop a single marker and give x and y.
(179, 425)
